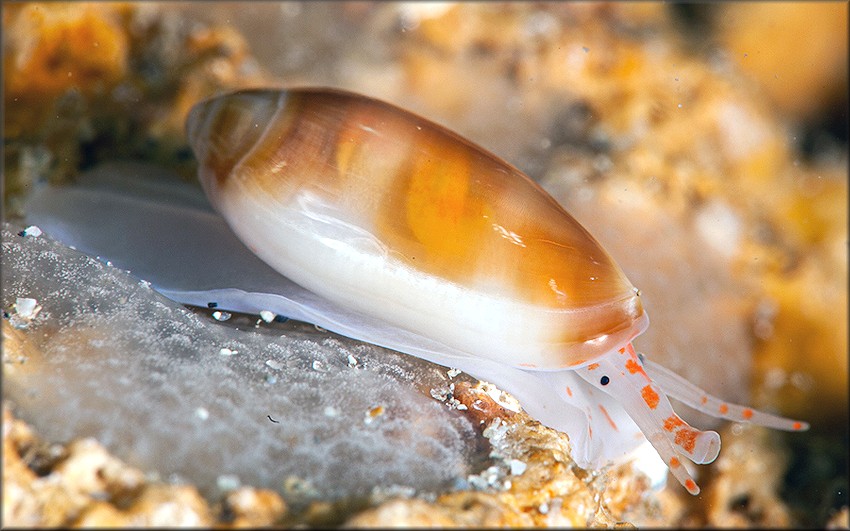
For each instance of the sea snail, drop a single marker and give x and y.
(393, 216)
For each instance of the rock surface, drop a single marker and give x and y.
(284, 407)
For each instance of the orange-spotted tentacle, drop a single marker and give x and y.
(681, 389)
(622, 375)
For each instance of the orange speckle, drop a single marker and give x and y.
(577, 362)
(569, 391)
(590, 432)
(649, 396)
(674, 462)
(631, 350)
(686, 438)
(747, 413)
(672, 422)
(797, 426)
(607, 416)
(703, 400)
(691, 486)
(634, 367)
(723, 409)
(622, 350)
(593, 366)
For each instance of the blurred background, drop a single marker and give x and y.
(712, 138)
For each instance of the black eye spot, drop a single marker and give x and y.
(604, 380)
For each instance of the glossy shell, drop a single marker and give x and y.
(436, 235)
